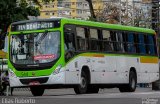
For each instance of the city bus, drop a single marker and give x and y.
(84, 55)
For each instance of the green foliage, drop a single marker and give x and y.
(12, 11)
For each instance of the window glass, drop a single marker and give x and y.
(35, 48)
(151, 44)
(82, 42)
(69, 45)
(93, 33)
(100, 40)
(94, 39)
(130, 43)
(124, 36)
(119, 39)
(114, 41)
(136, 42)
(106, 35)
(80, 32)
(141, 44)
(107, 45)
(69, 33)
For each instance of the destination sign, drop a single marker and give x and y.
(35, 25)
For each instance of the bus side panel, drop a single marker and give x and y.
(98, 69)
(156, 76)
(122, 69)
(71, 72)
(113, 74)
(149, 72)
(74, 68)
(112, 70)
(104, 70)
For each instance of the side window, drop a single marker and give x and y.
(124, 36)
(141, 44)
(94, 39)
(151, 45)
(136, 42)
(130, 43)
(114, 40)
(107, 45)
(100, 40)
(69, 38)
(82, 41)
(119, 39)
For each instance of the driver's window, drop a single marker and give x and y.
(69, 41)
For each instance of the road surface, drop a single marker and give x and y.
(67, 96)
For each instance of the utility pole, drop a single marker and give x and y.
(155, 15)
(155, 22)
(1, 69)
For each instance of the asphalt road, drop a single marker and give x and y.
(67, 96)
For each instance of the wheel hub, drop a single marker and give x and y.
(133, 83)
(83, 82)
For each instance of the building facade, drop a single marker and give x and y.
(79, 9)
(69, 8)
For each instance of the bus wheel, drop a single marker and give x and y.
(37, 91)
(123, 88)
(82, 87)
(92, 89)
(131, 87)
(132, 82)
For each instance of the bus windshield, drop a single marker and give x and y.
(35, 48)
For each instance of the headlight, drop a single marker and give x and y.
(11, 73)
(57, 70)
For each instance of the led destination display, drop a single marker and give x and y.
(35, 25)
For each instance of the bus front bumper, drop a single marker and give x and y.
(43, 80)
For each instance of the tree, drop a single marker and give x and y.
(93, 16)
(125, 13)
(12, 11)
(110, 13)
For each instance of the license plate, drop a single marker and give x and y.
(34, 83)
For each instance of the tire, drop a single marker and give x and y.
(37, 91)
(82, 87)
(123, 88)
(132, 81)
(92, 89)
(131, 87)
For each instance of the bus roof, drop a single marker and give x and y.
(93, 24)
(109, 26)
